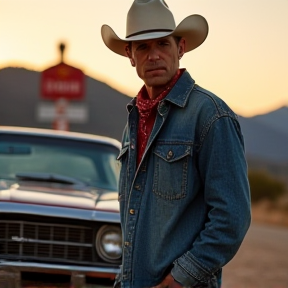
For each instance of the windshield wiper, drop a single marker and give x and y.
(49, 177)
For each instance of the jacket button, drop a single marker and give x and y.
(170, 154)
(137, 187)
(132, 211)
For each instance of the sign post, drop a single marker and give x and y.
(61, 119)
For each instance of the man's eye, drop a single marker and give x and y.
(163, 43)
(141, 47)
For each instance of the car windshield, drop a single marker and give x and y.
(59, 160)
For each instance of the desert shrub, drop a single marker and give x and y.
(264, 186)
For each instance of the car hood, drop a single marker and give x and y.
(59, 195)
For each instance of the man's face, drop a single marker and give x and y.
(156, 60)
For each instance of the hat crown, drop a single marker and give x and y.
(149, 15)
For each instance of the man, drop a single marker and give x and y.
(183, 191)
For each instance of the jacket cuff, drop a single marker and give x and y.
(188, 272)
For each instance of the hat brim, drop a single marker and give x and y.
(193, 28)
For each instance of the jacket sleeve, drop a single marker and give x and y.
(223, 172)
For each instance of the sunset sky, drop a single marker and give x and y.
(244, 59)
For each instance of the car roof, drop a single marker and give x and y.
(59, 134)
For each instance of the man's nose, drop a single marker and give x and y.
(153, 54)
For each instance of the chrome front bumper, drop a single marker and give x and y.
(10, 272)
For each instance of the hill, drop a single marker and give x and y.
(265, 137)
(266, 142)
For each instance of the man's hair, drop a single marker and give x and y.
(177, 39)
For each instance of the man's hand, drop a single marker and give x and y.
(168, 282)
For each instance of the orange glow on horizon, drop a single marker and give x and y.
(243, 62)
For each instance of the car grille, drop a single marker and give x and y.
(46, 242)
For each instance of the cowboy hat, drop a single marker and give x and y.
(151, 19)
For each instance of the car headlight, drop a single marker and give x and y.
(109, 243)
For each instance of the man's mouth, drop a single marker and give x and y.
(152, 69)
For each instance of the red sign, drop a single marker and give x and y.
(62, 81)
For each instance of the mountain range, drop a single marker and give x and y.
(266, 136)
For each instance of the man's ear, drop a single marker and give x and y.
(132, 62)
(181, 48)
(129, 55)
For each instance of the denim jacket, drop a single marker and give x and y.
(185, 208)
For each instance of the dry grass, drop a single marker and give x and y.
(275, 213)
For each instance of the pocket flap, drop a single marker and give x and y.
(172, 152)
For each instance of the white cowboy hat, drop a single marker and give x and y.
(151, 19)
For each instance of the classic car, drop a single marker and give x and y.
(59, 210)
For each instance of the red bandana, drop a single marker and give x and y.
(147, 113)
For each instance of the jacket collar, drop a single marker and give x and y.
(180, 92)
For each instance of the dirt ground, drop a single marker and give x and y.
(262, 260)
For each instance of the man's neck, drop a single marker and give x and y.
(153, 92)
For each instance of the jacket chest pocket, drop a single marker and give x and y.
(171, 170)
